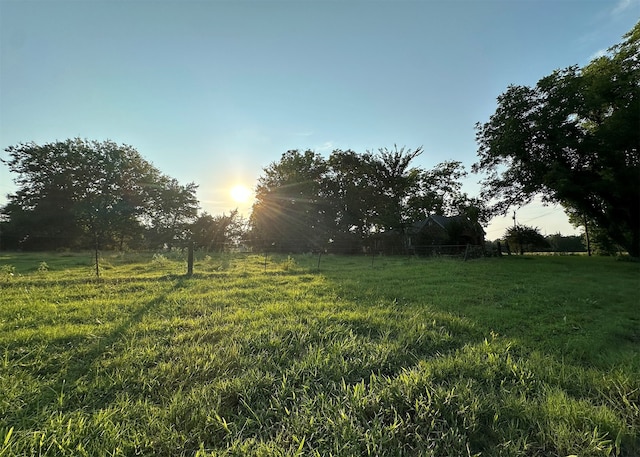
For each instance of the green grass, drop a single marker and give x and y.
(518, 356)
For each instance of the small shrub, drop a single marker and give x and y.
(159, 260)
(7, 271)
(288, 264)
(42, 267)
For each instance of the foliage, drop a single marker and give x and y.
(306, 203)
(525, 356)
(574, 139)
(7, 271)
(350, 188)
(523, 238)
(600, 241)
(79, 193)
(288, 213)
(563, 243)
(396, 183)
(174, 208)
(217, 233)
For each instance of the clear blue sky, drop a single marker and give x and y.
(212, 92)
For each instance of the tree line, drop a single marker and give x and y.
(573, 138)
(305, 202)
(80, 194)
(521, 238)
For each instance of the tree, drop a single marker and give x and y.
(350, 188)
(438, 191)
(396, 182)
(368, 193)
(411, 194)
(574, 138)
(596, 239)
(215, 233)
(80, 193)
(525, 238)
(289, 214)
(173, 208)
(561, 243)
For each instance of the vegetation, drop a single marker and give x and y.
(518, 356)
(574, 139)
(304, 202)
(522, 238)
(571, 243)
(218, 233)
(87, 194)
(78, 194)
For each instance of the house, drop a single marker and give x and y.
(435, 234)
(437, 230)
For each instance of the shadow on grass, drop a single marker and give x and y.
(67, 360)
(563, 331)
(103, 281)
(583, 311)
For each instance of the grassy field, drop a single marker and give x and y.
(517, 356)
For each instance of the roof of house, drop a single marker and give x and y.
(442, 221)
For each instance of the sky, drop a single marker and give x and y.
(212, 92)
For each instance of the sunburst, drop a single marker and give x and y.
(240, 193)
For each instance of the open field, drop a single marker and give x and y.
(517, 356)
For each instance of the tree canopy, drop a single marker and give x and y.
(81, 193)
(288, 211)
(305, 202)
(574, 138)
(524, 238)
(218, 233)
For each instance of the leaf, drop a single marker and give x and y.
(8, 437)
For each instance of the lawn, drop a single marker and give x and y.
(516, 356)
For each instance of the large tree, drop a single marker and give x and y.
(524, 238)
(81, 193)
(437, 191)
(574, 138)
(289, 212)
(369, 193)
(351, 192)
(173, 208)
(397, 181)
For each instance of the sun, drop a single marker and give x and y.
(240, 193)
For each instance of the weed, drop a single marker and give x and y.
(288, 264)
(7, 271)
(160, 260)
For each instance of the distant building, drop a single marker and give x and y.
(435, 234)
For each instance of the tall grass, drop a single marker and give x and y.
(501, 357)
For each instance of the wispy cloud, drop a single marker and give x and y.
(624, 5)
(326, 146)
(598, 54)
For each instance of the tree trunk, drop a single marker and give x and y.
(586, 232)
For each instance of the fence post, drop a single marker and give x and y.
(190, 259)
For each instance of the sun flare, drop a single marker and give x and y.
(240, 193)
